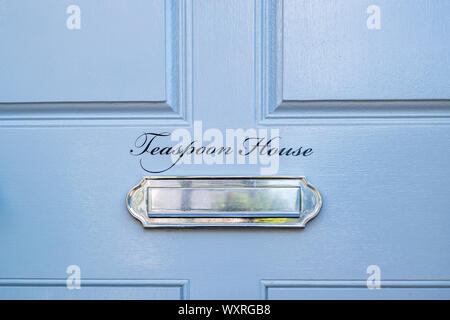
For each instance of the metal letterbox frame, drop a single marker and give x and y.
(225, 201)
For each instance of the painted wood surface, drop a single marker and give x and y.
(373, 106)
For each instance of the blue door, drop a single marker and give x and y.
(95, 95)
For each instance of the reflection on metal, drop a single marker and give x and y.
(180, 202)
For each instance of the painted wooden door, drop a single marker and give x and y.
(363, 85)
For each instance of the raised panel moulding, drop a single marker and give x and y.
(272, 108)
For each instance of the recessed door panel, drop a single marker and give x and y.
(83, 51)
(358, 109)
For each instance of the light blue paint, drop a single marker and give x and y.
(406, 59)
(64, 175)
(93, 289)
(111, 58)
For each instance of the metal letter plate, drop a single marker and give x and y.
(180, 202)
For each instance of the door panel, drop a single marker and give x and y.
(126, 62)
(114, 56)
(378, 129)
(95, 289)
(352, 290)
(324, 41)
(322, 62)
